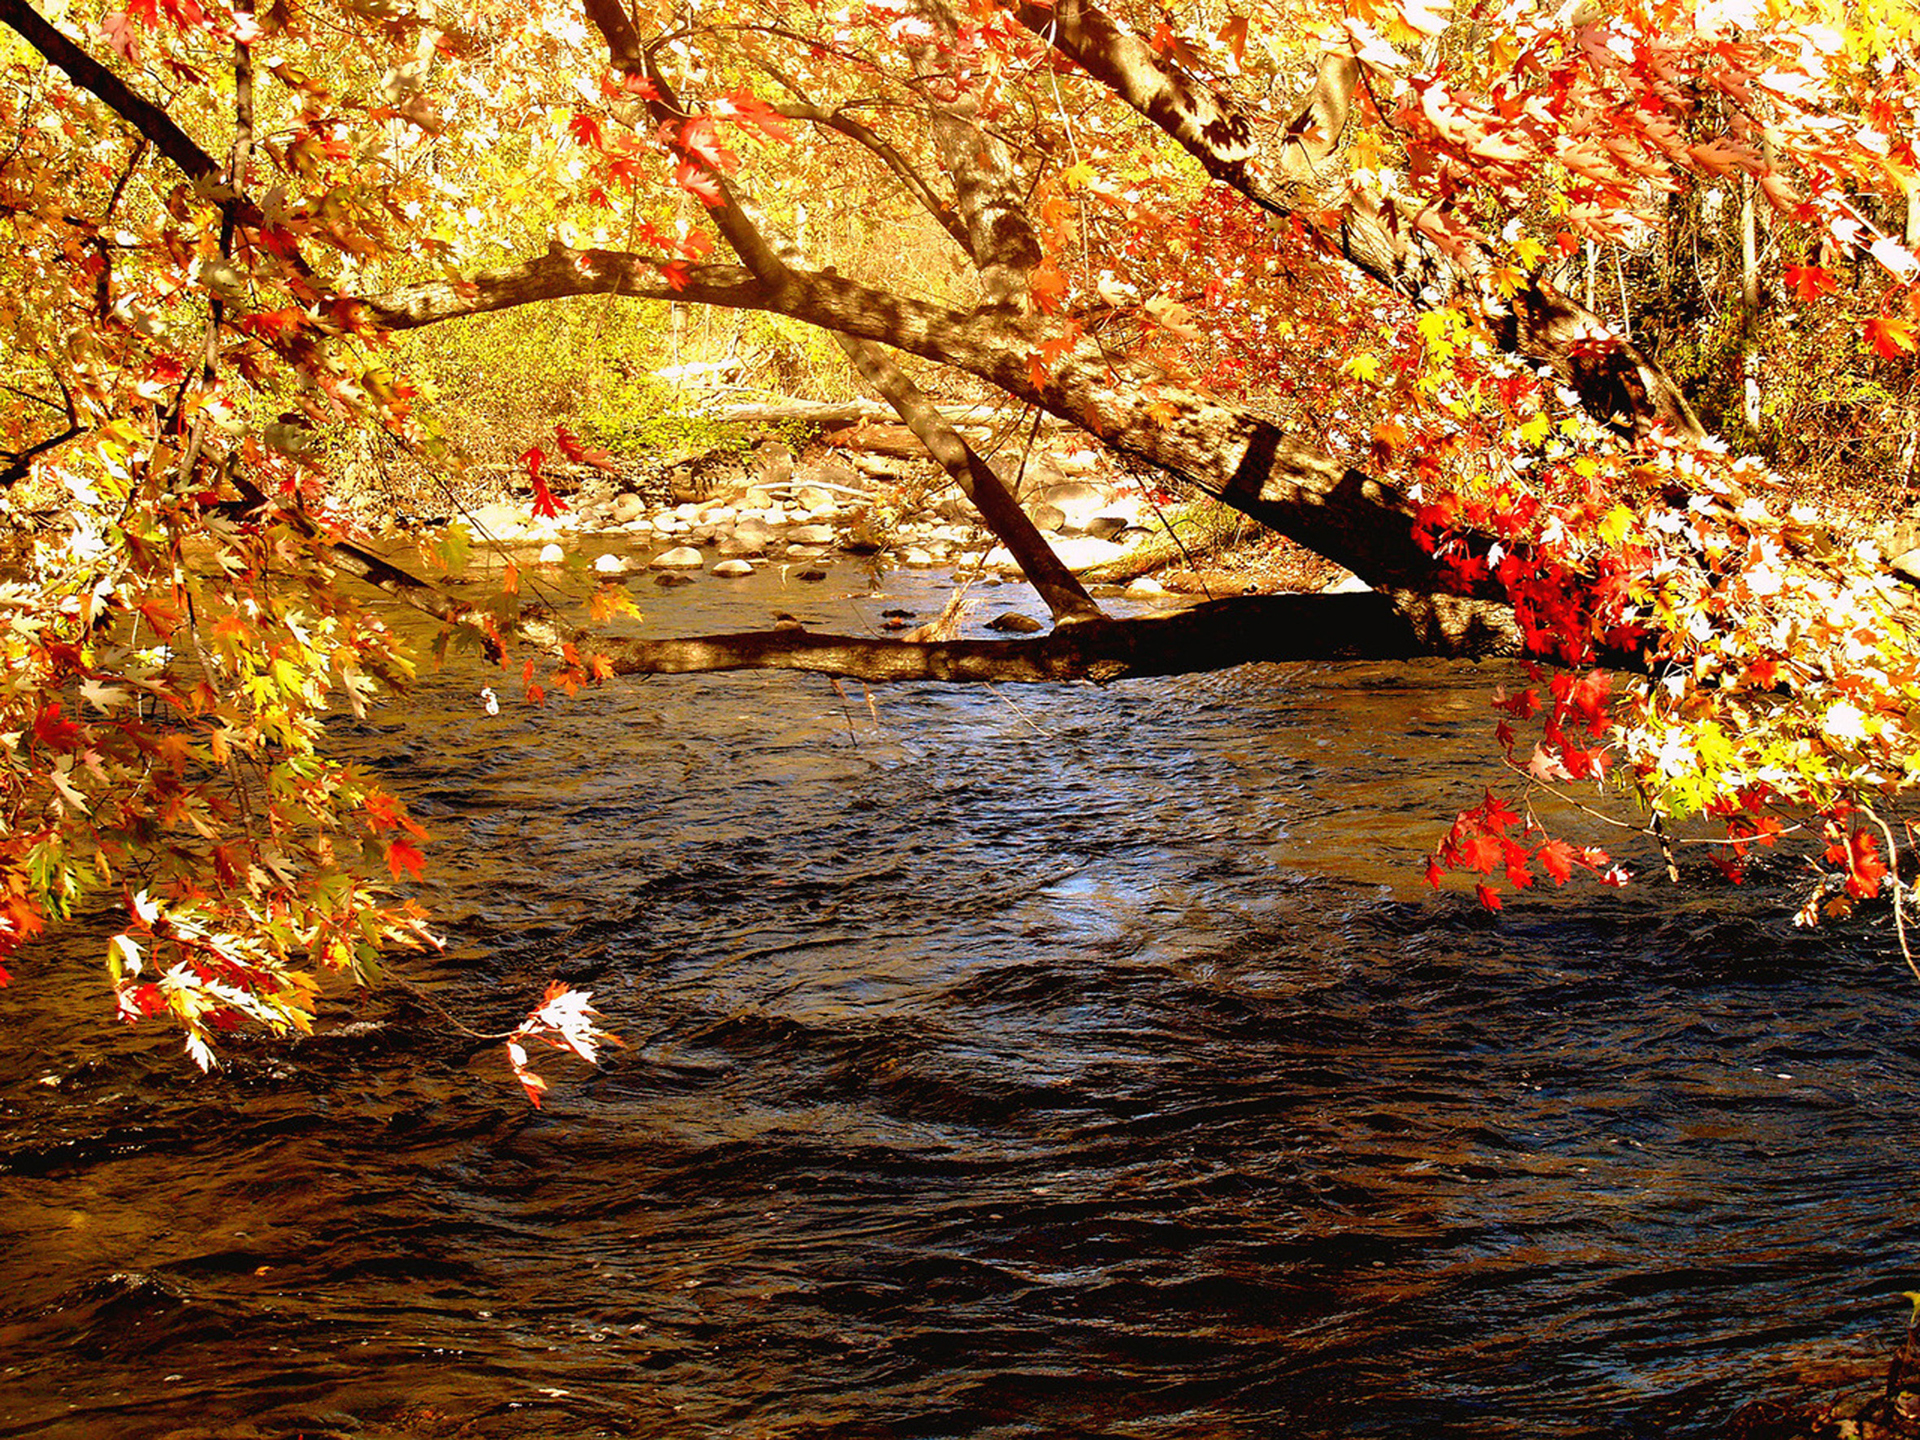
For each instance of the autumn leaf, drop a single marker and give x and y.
(404, 858)
(1557, 858)
(743, 108)
(701, 139)
(546, 504)
(587, 130)
(699, 183)
(1809, 282)
(1233, 34)
(1048, 287)
(1891, 336)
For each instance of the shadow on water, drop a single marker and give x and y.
(1061, 1062)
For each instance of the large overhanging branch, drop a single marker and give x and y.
(1241, 458)
(1616, 383)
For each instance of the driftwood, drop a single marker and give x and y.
(1213, 636)
(838, 412)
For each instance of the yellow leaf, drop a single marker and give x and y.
(1078, 174)
(1363, 367)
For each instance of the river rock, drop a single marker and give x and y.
(811, 535)
(1014, 623)
(681, 557)
(733, 568)
(552, 555)
(1048, 518)
(1104, 527)
(811, 498)
(500, 520)
(807, 552)
(811, 576)
(605, 564)
(914, 558)
(1077, 501)
(1146, 586)
(671, 579)
(733, 546)
(752, 531)
(627, 506)
(1076, 552)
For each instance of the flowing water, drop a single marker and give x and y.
(1056, 1062)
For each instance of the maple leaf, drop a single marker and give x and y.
(587, 130)
(582, 454)
(1557, 858)
(676, 274)
(699, 183)
(404, 858)
(1233, 34)
(743, 108)
(1048, 288)
(545, 503)
(1487, 898)
(701, 139)
(118, 27)
(1864, 865)
(533, 457)
(1891, 336)
(1809, 282)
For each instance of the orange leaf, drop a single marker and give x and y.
(1234, 35)
(404, 859)
(1891, 336)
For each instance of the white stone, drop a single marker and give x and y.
(681, 557)
(1146, 585)
(552, 555)
(606, 564)
(733, 568)
(917, 559)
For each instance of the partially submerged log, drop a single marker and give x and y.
(838, 412)
(1213, 636)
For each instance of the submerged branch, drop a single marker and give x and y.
(1214, 636)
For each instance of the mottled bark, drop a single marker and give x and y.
(1207, 637)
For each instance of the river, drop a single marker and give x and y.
(1030, 1062)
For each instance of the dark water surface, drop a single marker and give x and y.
(1064, 1062)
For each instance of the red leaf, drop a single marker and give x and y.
(1049, 288)
(743, 109)
(1434, 872)
(1809, 282)
(587, 130)
(545, 502)
(1891, 336)
(676, 274)
(1488, 898)
(404, 859)
(1864, 861)
(701, 139)
(582, 454)
(1557, 858)
(51, 730)
(533, 457)
(698, 183)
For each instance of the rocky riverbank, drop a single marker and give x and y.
(768, 506)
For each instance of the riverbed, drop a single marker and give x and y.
(1043, 1061)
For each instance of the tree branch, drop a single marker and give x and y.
(1206, 637)
(1617, 384)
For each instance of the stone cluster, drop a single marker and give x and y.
(787, 511)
